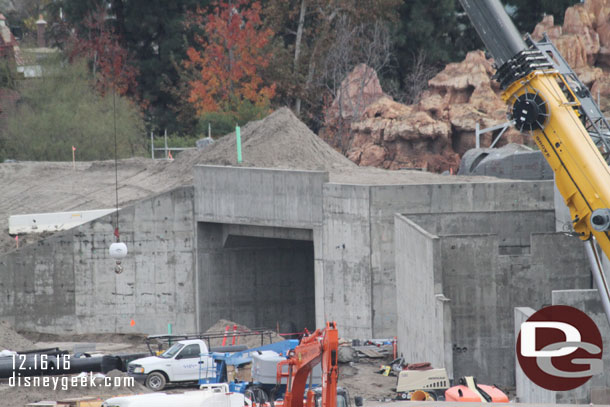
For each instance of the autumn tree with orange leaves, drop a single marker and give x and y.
(227, 70)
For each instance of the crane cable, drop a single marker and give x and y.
(116, 165)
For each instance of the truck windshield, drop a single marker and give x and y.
(171, 352)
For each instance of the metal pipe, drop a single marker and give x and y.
(495, 28)
(598, 275)
(238, 143)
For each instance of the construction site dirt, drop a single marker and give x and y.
(361, 377)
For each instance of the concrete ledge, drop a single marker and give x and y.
(258, 196)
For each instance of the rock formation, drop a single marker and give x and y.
(435, 132)
(431, 134)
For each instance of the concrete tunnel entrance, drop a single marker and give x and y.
(257, 276)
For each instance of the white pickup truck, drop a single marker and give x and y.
(179, 363)
(210, 395)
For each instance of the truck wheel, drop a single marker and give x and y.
(155, 381)
(403, 396)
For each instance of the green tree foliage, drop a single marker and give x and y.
(223, 122)
(425, 35)
(529, 13)
(62, 110)
(309, 33)
(430, 33)
(8, 75)
(154, 31)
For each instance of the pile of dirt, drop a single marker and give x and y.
(11, 340)
(19, 393)
(280, 140)
(251, 341)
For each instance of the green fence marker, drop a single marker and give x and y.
(169, 332)
(238, 142)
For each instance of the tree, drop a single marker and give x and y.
(63, 109)
(110, 64)
(526, 14)
(154, 31)
(230, 59)
(307, 36)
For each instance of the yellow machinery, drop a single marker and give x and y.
(546, 99)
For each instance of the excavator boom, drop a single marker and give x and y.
(320, 347)
(544, 103)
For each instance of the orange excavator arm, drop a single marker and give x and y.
(320, 347)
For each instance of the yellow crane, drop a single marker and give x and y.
(547, 99)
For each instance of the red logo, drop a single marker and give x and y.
(560, 348)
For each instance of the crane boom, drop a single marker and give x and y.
(541, 101)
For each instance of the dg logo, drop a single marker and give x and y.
(560, 348)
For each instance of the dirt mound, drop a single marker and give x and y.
(56, 388)
(251, 341)
(11, 340)
(280, 140)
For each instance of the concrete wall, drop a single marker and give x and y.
(265, 197)
(490, 263)
(352, 228)
(528, 391)
(387, 200)
(256, 276)
(346, 259)
(424, 320)
(66, 283)
(255, 196)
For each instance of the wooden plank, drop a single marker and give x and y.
(369, 352)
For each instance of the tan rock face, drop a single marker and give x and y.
(431, 134)
(435, 132)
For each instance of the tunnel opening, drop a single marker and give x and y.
(258, 276)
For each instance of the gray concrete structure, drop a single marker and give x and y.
(486, 264)
(424, 335)
(281, 247)
(528, 391)
(351, 227)
(66, 283)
